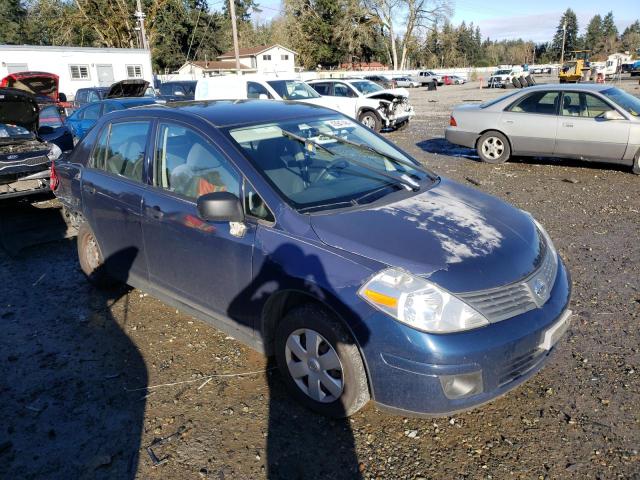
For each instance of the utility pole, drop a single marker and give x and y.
(139, 14)
(234, 29)
(564, 37)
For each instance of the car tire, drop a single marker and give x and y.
(91, 259)
(370, 120)
(348, 389)
(493, 147)
(636, 163)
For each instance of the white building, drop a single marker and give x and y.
(77, 67)
(266, 60)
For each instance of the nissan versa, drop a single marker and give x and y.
(309, 237)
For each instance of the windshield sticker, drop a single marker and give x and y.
(339, 123)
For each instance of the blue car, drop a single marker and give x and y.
(309, 237)
(84, 119)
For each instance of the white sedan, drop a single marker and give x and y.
(406, 82)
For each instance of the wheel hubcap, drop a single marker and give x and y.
(368, 121)
(493, 147)
(314, 365)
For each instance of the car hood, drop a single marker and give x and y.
(128, 88)
(40, 84)
(458, 237)
(18, 108)
(389, 94)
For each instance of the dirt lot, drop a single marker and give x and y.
(83, 373)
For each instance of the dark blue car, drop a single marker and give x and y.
(309, 237)
(84, 119)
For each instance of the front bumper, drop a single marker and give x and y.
(406, 366)
(399, 118)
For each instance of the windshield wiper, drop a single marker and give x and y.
(364, 146)
(304, 140)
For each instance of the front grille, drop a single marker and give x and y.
(28, 162)
(533, 291)
(520, 366)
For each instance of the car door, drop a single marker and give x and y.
(584, 133)
(346, 99)
(112, 188)
(531, 123)
(200, 263)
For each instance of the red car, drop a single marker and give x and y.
(43, 85)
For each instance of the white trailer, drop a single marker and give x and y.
(78, 67)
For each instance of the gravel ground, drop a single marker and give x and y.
(83, 372)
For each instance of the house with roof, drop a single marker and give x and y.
(265, 59)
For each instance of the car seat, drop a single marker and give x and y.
(281, 158)
(202, 173)
(568, 109)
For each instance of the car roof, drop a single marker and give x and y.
(127, 100)
(587, 87)
(224, 113)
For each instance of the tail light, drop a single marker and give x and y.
(452, 122)
(54, 180)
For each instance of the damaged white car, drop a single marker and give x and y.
(366, 101)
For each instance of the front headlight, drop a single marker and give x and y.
(419, 303)
(546, 237)
(54, 152)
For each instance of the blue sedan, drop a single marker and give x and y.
(84, 119)
(309, 237)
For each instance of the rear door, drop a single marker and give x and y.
(583, 133)
(112, 191)
(531, 123)
(203, 264)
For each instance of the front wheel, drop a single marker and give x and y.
(320, 363)
(493, 147)
(370, 120)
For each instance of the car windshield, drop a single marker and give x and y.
(293, 89)
(328, 162)
(503, 72)
(625, 100)
(365, 87)
(9, 131)
(50, 117)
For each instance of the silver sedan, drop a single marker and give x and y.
(592, 122)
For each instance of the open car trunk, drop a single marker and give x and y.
(43, 85)
(128, 88)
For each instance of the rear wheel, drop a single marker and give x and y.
(91, 259)
(636, 163)
(370, 120)
(493, 147)
(320, 363)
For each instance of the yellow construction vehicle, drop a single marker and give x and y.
(577, 69)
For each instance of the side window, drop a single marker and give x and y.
(254, 205)
(322, 88)
(99, 153)
(595, 106)
(81, 96)
(125, 149)
(540, 102)
(571, 104)
(92, 112)
(186, 163)
(92, 96)
(111, 107)
(254, 90)
(342, 90)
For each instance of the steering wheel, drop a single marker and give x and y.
(342, 163)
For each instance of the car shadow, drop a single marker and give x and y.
(64, 365)
(442, 146)
(301, 444)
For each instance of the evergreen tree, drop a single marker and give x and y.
(569, 20)
(609, 28)
(631, 37)
(11, 21)
(593, 36)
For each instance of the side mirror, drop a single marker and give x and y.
(612, 115)
(220, 207)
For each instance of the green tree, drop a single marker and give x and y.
(11, 21)
(593, 36)
(631, 37)
(569, 21)
(609, 28)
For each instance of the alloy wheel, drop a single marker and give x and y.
(493, 148)
(369, 122)
(92, 252)
(314, 365)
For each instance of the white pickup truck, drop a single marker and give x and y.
(426, 76)
(503, 76)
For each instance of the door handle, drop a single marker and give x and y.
(510, 122)
(154, 212)
(567, 124)
(90, 189)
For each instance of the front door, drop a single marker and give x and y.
(112, 189)
(584, 133)
(531, 123)
(105, 75)
(203, 264)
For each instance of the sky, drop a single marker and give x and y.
(535, 20)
